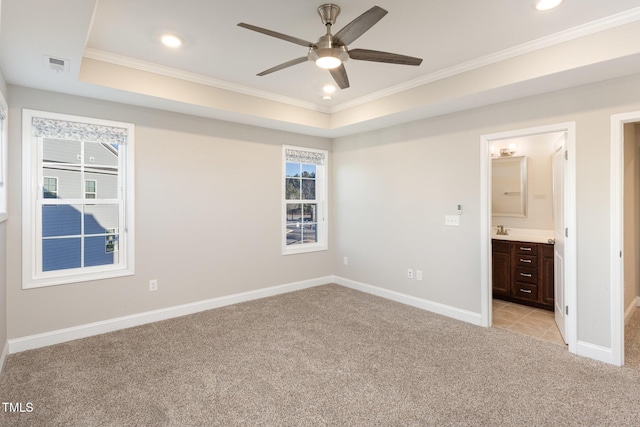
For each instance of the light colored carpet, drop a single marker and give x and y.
(326, 356)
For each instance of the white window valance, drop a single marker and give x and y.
(74, 131)
(301, 156)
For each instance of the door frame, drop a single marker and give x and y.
(569, 220)
(617, 229)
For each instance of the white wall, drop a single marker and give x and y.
(208, 207)
(538, 149)
(394, 188)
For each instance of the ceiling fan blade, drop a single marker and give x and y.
(339, 74)
(276, 35)
(359, 26)
(284, 65)
(377, 56)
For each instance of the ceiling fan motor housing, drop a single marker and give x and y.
(325, 47)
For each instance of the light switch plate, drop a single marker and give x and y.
(452, 220)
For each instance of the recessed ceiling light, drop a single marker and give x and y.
(326, 98)
(546, 4)
(329, 89)
(171, 40)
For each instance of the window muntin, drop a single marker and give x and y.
(305, 225)
(76, 233)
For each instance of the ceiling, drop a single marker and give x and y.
(113, 51)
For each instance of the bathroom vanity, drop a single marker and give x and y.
(523, 272)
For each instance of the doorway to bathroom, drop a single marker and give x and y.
(528, 232)
(625, 226)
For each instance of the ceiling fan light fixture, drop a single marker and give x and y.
(328, 58)
(542, 5)
(328, 62)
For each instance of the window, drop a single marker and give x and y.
(90, 186)
(3, 158)
(305, 200)
(50, 187)
(71, 232)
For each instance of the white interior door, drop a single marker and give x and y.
(559, 235)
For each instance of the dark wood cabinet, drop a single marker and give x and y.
(523, 272)
(501, 268)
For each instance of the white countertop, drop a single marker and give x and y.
(524, 235)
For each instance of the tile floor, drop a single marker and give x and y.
(530, 321)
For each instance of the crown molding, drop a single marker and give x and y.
(162, 70)
(613, 21)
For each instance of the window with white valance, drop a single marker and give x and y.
(304, 202)
(78, 199)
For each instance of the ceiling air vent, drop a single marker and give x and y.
(56, 64)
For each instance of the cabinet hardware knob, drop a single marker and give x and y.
(526, 291)
(525, 275)
(524, 249)
(525, 260)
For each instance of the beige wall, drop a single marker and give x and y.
(538, 149)
(3, 285)
(395, 186)
(631, 175)
(208, 214)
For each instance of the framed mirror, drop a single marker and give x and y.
(509, 186)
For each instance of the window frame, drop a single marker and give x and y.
(33, 275)
(322, 184)
(4, 137)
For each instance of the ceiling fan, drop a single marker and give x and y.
(330, 51)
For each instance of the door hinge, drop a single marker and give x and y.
(566, 154)
(566, 309)
(620, 254)
(566, 232)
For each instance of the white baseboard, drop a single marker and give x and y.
(82, 331)
(435, 307)
(3, 356)
(596, 352)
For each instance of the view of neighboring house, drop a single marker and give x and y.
(79, 234)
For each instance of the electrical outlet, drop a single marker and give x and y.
(410, 273)
(419, 274)
(345, 261)
(153, 285)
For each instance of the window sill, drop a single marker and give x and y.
(65, 280)
(304, 249)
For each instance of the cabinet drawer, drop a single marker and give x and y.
(501, 246)
(526, 261)
(525, 291)
(526, 248)
(527, 275)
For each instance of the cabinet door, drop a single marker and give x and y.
(547, 274)
(501, 273)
